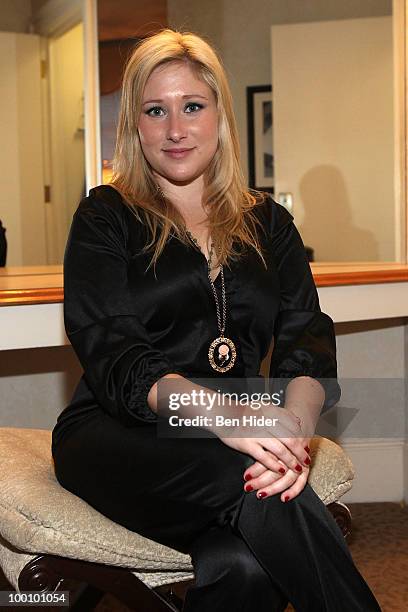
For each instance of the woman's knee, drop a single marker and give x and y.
(228, 575)
(222, 554)
(245, 571)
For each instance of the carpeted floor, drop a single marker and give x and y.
(378, 543)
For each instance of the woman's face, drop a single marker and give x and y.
(178, 125)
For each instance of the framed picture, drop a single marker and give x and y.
(260, 142)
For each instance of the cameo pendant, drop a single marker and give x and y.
(222, 354)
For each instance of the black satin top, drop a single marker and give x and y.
(129, 327)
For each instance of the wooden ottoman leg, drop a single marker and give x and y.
(175, 592)
(342, 516)
(49, 573)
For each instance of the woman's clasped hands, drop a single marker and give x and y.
(282, 454)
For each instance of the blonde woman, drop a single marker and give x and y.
(176, 271)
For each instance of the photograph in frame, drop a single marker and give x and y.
(260, 138)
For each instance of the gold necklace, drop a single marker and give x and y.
(222, 352)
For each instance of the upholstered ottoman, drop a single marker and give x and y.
(50, 536)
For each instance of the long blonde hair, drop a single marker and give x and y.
(226, 198)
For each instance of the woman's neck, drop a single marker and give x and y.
(186, 198)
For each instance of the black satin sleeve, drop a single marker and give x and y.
(101, 321)
(304, 339)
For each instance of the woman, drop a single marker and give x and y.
(177, 271)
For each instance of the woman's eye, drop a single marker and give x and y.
(155, 111)
(192, 107)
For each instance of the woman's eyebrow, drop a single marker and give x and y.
(158, 101)
(195, 96)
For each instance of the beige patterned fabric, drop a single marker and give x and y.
(37, 515)
(332, 471)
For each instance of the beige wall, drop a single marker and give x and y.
(35, 385)
(10, 212)
(324, 110)
(67, 134)
(373, 351)
(21, 155)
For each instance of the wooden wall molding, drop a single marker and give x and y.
(17, 288)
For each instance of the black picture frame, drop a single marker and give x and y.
(260, 125)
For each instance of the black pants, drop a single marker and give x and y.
(187, 493)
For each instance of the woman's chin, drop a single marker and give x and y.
(179, 178)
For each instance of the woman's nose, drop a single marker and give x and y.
(176, 128)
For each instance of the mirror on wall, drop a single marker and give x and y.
(42, 127)
(318, 96)
(315, 89)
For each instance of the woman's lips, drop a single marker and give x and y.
(177, 153)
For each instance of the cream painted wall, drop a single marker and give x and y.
(10, 212)
(35, 385)
(66, 62)
(21, 155)
(324, 110)
(373, 352)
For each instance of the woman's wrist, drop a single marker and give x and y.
(304, 398)
(307, 423)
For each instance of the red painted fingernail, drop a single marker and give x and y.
(307, 461)
(248, 488)
(298, 468)
(287, 498)
(261, 494)
(307, 449)
(282, 470)
(247, 477)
